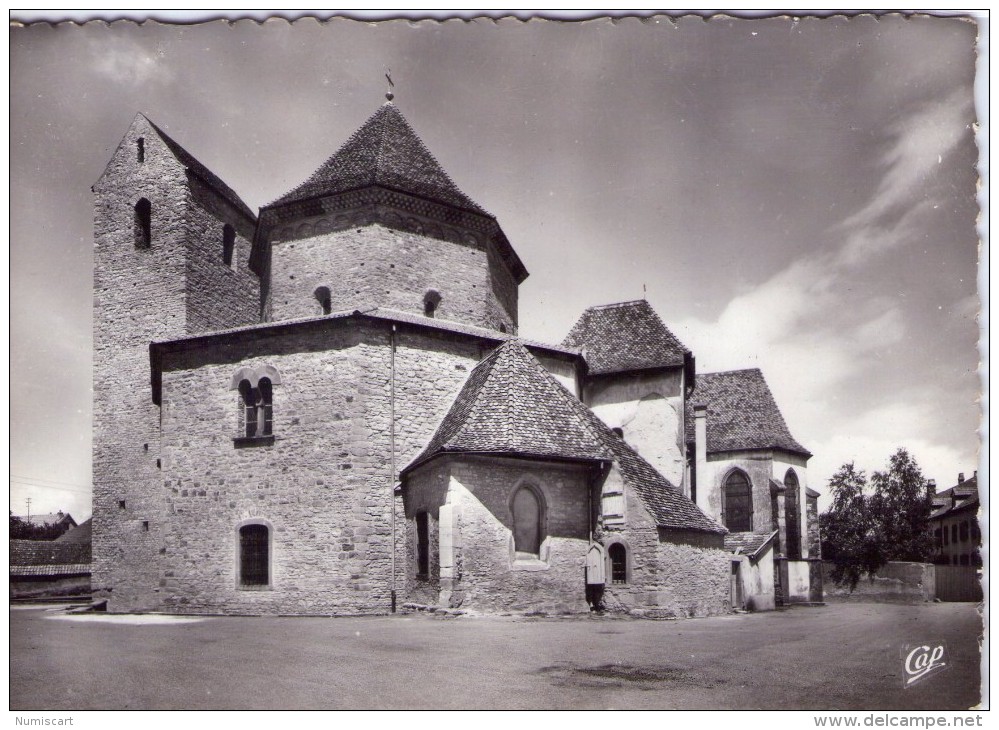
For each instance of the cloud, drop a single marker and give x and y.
(130, 63)
(921, 141)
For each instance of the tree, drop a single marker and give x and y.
(23, 530)
(850, 536)
(862, 532)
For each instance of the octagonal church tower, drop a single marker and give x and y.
(381, 224)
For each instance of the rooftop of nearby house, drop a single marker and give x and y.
(48, 553)
(53, 518)
(962, 496)
(741, 413)
(624, 337)
(79, 534)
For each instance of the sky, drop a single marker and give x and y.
(793, 195)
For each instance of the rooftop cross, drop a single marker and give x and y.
(388, 93)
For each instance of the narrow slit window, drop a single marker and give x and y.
(422, 544)
(140, 150)
(791, 509)
(228, 243)
(143, 223)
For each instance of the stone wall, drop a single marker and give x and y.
(139, 296)
(896, 581)
(377, 266)
(324, 485)
(219, 296)
(470, 498)
(649, 410)
(671, 573)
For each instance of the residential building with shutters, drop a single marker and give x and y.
(325, 408)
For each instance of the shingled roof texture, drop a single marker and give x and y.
(48, 552)
(626, 336)
(748, 543)
(385, 151)
(511, 405)
(742, 413)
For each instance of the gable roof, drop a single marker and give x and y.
(625, 336)
(79, 534)
(958, 498)
(385, 151)
(749, 543)
(511, 405)
(210, 178)
(742, 413)
(54, 518)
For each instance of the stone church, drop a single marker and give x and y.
(325, 408)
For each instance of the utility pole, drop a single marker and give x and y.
(28, 500)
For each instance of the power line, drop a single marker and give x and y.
(49, 486)
(20, 477)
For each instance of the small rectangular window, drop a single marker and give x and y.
(140, 150)
(145, 525)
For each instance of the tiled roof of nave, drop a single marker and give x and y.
(742, 413)
(625, 336)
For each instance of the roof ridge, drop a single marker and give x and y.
(732, 372)
(617, 304)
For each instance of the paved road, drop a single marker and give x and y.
(841, 656)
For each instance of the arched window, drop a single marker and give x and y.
(792, 515)
(140, 150)
(422, 545)
(143, 223)
(228, 243)
(431, 301)
(256, 408)
(254, 555)
(618, 555)
(526, 507)
(738, 504)
(325, 299)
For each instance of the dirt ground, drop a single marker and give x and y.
(836, 657)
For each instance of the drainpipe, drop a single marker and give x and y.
(392, 452)
(701, 488)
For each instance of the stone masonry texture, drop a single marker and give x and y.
(175, 480)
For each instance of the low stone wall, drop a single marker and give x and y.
(897, 581)
(49, 586)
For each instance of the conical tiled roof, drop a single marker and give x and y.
(626, 336)
(511, 405)
(385, 151)
(742, 413)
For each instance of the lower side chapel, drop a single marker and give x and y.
(325, 408)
